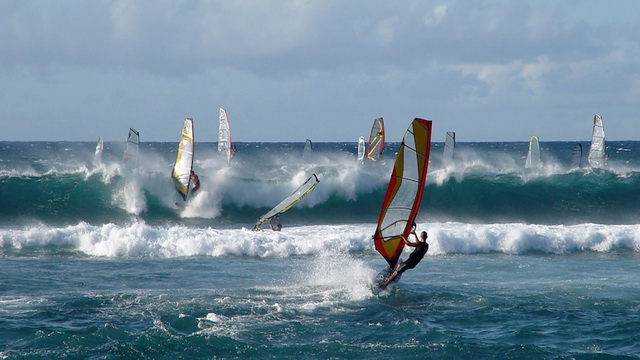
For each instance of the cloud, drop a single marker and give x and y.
(297, 58)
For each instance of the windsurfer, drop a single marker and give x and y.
(421, 246)
(196, 182)
(275, 224)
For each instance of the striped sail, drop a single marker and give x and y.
(376, 140)
(533, 154)
(181, 173)
(404, 193)
(289, 201)
(596, 151)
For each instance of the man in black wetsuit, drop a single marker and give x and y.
(196, 182)
(421, 246)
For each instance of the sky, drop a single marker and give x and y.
(288, 70)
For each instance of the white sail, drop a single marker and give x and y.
(181, 173)
(308, 149)
(449, 148)
(361, 146)
(533, 154)
(596, 151)
(224, 137)
(97, 157)
(130, 157)
(289, 201)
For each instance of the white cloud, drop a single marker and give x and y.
(436, 16)
(298, 57)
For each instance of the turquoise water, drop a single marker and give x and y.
(454, 306)
(99, 263)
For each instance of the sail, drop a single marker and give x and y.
(290, 200)
(224, 137)
(404, 193)
(130, 157)
(533, 154)
(361, 147)
(449, 148)
(576, 157)
(596, 152)
(97, 157)
(181, 173)
(376, 140)
(308, 149)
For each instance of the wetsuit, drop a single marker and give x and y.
(415, 257)
(196, 185)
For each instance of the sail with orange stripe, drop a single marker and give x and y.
(404, 193)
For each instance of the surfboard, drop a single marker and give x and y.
(402, 200)
(384, 274)
(361, 147)
(181, 173)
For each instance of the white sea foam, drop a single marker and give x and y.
(142, 240)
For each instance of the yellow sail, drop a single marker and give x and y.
(181, 173)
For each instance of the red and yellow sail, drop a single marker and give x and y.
(404, 193)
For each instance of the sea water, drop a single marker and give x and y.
(103, 263)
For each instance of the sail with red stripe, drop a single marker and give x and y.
(404, 193)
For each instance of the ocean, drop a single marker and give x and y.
(100, 262)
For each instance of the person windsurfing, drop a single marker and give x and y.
(274, 224)
(421, 246)
(196, 182)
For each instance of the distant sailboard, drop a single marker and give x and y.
(376, 140)
(289, 201)
(404, 192)
(97, 157)
(576, 157)
(308, 150)
(130, 157)
(449, 148)
(181, 173)
(224, 137)
(596, 151)
(361, 148)
(533, 154)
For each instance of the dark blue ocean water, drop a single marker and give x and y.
(102, 263)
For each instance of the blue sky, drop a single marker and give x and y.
(287, 70)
